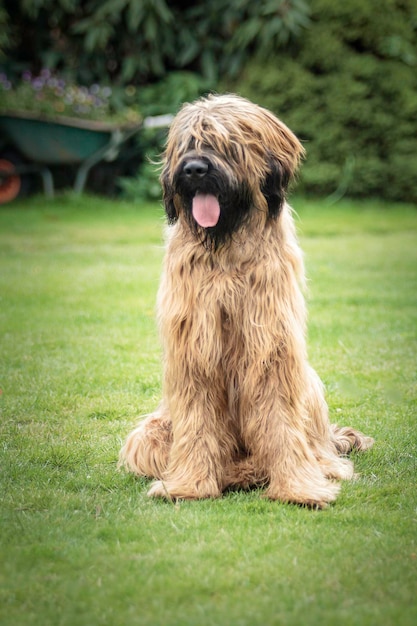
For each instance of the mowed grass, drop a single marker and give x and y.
(82, 545)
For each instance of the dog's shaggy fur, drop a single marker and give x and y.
(241, 406)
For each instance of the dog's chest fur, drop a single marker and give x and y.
(213, 305)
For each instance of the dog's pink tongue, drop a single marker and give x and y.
(206, 210)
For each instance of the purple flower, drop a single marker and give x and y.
(37, 83)
(81, 109)
(106, 92)
(27, 76)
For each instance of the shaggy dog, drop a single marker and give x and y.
(241, 406)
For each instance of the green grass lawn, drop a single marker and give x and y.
(82, 545)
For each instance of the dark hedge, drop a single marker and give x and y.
(348, 89)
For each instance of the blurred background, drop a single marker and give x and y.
(342, 75)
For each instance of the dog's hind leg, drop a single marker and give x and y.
(347, 439)
(147, 448)
(341, 439)
(320, 433)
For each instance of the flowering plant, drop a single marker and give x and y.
(48, 94)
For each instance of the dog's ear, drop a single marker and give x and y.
(170, 209)
(275, 185)
(168, 198)
(282, 159)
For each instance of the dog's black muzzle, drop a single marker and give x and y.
(197, 173)
(195, 169)
(200, 174)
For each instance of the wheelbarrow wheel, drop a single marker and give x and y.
(16, 184)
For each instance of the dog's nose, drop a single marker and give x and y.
(195, 168)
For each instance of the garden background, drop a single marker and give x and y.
(342, 75)
(80, 543)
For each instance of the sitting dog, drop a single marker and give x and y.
(241, 406)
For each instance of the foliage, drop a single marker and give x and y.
(49, 94)
(5, 35)
(169, 93)
(348, 88)
(144, 186)
(342, 75)
(81, 544)
(140, 41)
(226, 36)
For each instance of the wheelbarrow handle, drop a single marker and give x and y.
(157, 121)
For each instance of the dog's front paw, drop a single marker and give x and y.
(313, 497)
(172, 490)
(159, 490)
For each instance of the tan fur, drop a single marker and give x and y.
(241, 406)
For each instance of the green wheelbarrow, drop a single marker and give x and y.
(43, 142)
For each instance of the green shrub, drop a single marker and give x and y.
(141, 41)
(349, 91)
(144, 186)
(168, 94)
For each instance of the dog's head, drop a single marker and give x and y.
(226, 158)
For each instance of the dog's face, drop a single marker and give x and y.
(225, 159)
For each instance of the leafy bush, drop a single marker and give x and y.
(141, 41)
(5, 37)
(348, 89)
(144, 186)
(168, 94)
